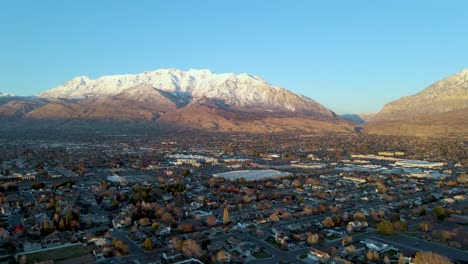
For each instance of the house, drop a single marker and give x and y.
(52, 240)
(4, 235)
(217, 246)
(31, 246)
(4, 211)
(233, 241)
(167, 197)
(278, 230)
(376, 246)
(100, 242)
(340, 232)
(165, 231)
(355, 226)
(189, 261)
(99, 254)
(172, 255)
(283, 240)
(294, 227)
(93, 219)
(338, 260)
(137, 235)
(195, 205)
(355, 248)
(246, 249)
(318, 255)
(122, 220)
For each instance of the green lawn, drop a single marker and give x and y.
(57, 254)
(262, 254)
(413, 234)
(392, 254)
(276, 245)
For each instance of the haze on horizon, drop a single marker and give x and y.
(350, 57)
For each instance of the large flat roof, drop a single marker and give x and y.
(252, 175)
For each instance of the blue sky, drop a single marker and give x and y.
(351, 56)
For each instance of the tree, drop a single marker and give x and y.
(166, 217)
(274, 217)
(401, 259)
(372, 255)
(206, 243)
(350, 249)
(155, 226)
(226, 216)
(400, 226)
(424, 227)
(439, 211)
(23, 259)
(121, 246)
(297, 183)
(328, 222)
(313, 238)
(37, 185)
(381, 187)
(212, 181)
(177, 243)
(186, 228)
(359, 216)
(336, 220)
(346, 240)
(422, 210)
(385, 227)
(115, 204)
(427, 257)
(62, 224)
(46, 229)
(190, 248)
(186, 173)
(144, 221)
(70, 217)
(148, 244)
(211, 220)
(322, 208)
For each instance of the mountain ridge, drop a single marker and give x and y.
(241, 90)
(194, 99)
(440, 109)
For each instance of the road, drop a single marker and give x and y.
(416, 244)
(278, 255)
(134, 248)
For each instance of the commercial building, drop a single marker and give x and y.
(252, 175)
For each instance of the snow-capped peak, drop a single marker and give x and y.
(241, 90)
(7, 95)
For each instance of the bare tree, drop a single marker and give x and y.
(190, 248)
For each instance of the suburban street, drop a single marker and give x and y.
(415, 244)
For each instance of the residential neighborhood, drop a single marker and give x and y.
(236, 199)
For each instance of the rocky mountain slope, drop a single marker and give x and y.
(194, 99)
(440, 109)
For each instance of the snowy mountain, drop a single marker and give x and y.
(177, 100)
(242, 91)
(7, 95)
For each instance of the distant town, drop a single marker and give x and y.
(233, 198)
